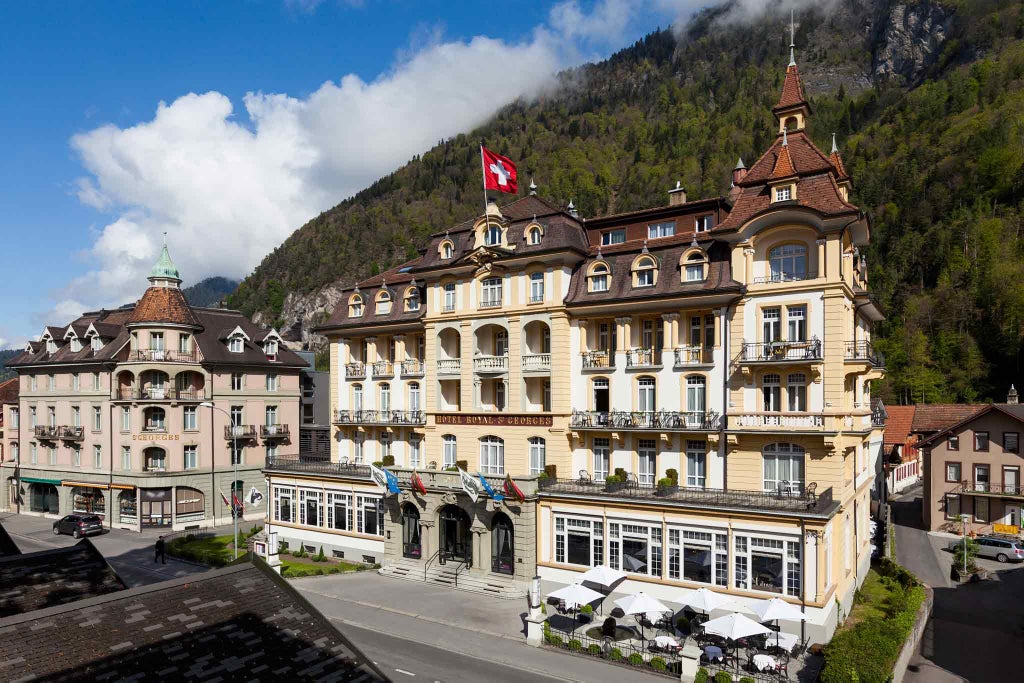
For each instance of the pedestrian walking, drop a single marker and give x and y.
(161, 553)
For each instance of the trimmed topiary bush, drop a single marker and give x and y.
(747, 679)
(672, 474)
(575, 645)
(551, 471)
(723, 677)
(594, 649)
(388, 460)
(615, 655)
(636, 659)
(702, 676)
(658, 664)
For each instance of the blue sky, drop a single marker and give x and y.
(272, 111)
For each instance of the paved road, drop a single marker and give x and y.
(976, 632)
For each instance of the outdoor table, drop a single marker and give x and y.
(714, 653)
(764, 662)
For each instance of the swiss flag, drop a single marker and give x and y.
(499, 172)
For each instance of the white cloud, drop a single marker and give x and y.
(228, 189)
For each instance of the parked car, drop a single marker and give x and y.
(1000, 548)
(78, 525)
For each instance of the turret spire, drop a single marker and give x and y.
(835, 148)
(792, 109)
(164, 271)
(792, 40)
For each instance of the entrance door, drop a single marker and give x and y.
(1011, 515)
(411, 546)
(156, 507)
(455, 542)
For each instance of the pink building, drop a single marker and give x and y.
(152, 414)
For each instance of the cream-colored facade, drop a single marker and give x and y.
(684, 391)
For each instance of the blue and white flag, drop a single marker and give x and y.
(498, 497)
(384, 479)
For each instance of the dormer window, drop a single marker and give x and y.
(236, 345)
(598, 277)
(664, 229)
(76, 344)
(783, 193)
(51, 346)
(644, 272)
(534, 235)
(613, 237)
(694, 267)
(97, 344)
(704, 223)
(412, 299)
(355, 306)
(270, 349)
(492, 235)
(447, 250)
(383, 303)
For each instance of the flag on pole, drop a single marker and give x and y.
(499, 172)
(223, 497)
(512, 490)
(417, 483)
(470, 485)
(498, 497)
(384, 479)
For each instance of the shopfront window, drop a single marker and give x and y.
(579, 541)
(284, 504)
(774, 565)
(635, 548)
(311, 507)
(371, 515)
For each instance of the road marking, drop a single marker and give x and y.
(403, 671)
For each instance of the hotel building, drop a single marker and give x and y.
(681, 392)
(151, 414)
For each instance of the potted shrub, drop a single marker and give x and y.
(613, 483)
(551, 471)
(965, 552)
(586, 613)
(666, 487)
(672, 474)
(462, 465)
(389, 460)
(683, 624)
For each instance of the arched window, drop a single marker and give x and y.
(450, 452)
(355, 306)
(783, 467)
(646, 395)
(537, 455)
(695, 267)
(533, 237)
(502, 545)
(492, 234)
(411, 545)
(644, 272)
(796, 391)
(788, 262)
(412, 299)
(414, 396)
(383, 302)
(492, 455)
(447, 249)
(385, 397)
(696, 398)
(771, 393)
(599, 277)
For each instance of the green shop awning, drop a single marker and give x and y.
(36, 480)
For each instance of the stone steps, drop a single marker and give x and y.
(445, 575)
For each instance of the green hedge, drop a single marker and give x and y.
(867, 651)
(213, 551)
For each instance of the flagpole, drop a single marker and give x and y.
(483, 180)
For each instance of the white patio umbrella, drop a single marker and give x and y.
(734, 626)
(778, 609)
(641, 603)
(704, 600)
(575, 594)
(603, 576)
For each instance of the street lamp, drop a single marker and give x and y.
(234, 465)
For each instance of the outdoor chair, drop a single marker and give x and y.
(585, 477)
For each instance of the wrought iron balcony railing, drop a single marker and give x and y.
(981, 488)
(355, 370)
(45, 432)
(785, 351)
(163, 356)
(383, 368)
(864, 350)
(316, 465)
(688, 356)
(274, 431)
(240, 432)
(380, 417)
(413, 367)
(596, 360)
(643, 358)
(794, 276)
(662, 420)
(72, 433)
(135, 393)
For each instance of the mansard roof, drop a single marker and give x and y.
(165, 305)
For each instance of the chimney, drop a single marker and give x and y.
(1011, 397)
(739, 173)
(677, 195)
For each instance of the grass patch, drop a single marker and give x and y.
(292, 568)
(215, 551)
(870, 601)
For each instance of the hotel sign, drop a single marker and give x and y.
(156, 436)
(496, 420)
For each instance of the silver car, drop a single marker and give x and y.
(1000, 548)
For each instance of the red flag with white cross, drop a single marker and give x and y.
(499, 172)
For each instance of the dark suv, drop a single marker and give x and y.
(78, 525)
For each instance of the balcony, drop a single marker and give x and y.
(537, 362)
(159, 394)
(640, 359)
(486, 365)
(803, 503)
(355, 371)
(864, 351)
(449, 366)
(274, 431)
(383, 369)
(163, 356)
(598, 360)
(773, 421)
(693, 356)
(414, 418)
(990, 490)
(777, 278)
(662, 420)
(491, 301)
(781, 351)
(68, 433)
(155, 428)
(316, 465)
(240, 432)
(412, 367)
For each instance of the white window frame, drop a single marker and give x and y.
(450, 451)
(610, 237)
(593, 529)
(491, 292)
(602, 458)
(536, 287)
(449, 296)
(126, 458)
(236, 344)
(796, 323)
(272, 381)
(647, 461)
(537, 454)
(492, 455)
(662, 229)
(796, 392)
(696, 463)
(783, 462)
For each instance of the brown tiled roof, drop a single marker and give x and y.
(163, 305)
(933, 417)
(33, 581)
(1014, 411)
(719, 277)
(9, 391)
(214, 323)
(792, 90)
(807, 159)
(818, 192)
(239, 623)
(837, 161)
(397, 283)
(783, 164)
(897, 424)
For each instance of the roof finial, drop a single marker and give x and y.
(785, 137)
(792, 40)
(835, 148)
(533, 187)
(644, 250)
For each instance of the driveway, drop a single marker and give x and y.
(976, 632)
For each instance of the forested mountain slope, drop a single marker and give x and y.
(926, 98)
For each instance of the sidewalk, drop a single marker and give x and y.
(477, 626)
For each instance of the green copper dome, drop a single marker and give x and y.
(164, 267)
